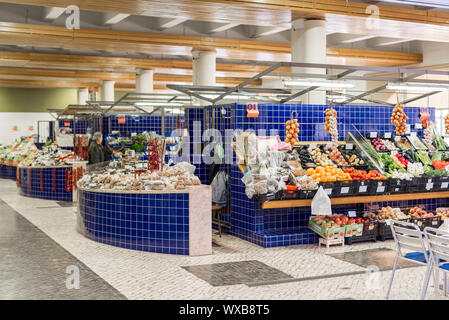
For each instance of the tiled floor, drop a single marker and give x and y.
(296, 272)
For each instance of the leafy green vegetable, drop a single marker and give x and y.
(424, 157)
(437, 156)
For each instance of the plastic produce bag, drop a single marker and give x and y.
(321, 203)
(252, 150)
(275, 158)
(261, 187)
(248, 178)
(250, 190)
(187, 167)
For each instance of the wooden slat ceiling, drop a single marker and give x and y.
(254, 12)
(120, 41)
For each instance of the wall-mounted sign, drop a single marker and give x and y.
(66, 123)
(15, 128)
(252, 110)
(31, 128)
(121, 119)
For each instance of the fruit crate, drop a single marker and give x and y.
(331, 188)
(384, 230)
(377, 187)
(362, 238)
(413, 185)
(361, 187)
(433, 222)
(325, 232)
(307, 194)
(354, 230)
(396, 186)
(345, 188)
(441, 183)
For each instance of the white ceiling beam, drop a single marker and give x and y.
(220, 27)
(114, 18)
(52, 13)
(382, 42)
(257, 31)
(166, 23)
(340, 38)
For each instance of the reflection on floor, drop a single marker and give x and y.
(382, 258)
(32, 266)
(239, 272)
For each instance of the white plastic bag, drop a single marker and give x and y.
(321, 203)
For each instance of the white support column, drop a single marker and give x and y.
(144, 83)
(203, 68)
(83, 96)
(308, 43)
(107, 91)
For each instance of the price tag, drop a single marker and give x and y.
(388, 222)
(429, 181)
(133, 134)
(387, 135)
(328, 191)
(363, 188)
(313, 146)
(352, 214)
(444, 185)
(373, 134)
(408, 128)
(397, 138)
(429, 186)
(370, 227)
(349, 146)
(418, 126)
(344, 190)
(380, 189)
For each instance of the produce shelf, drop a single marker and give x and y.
(279, 204)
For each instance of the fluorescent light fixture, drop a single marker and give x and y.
(309, 83)
(415, 87)
(159, 104)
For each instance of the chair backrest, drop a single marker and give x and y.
(438, 242)
(408, 236)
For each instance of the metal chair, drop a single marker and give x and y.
(438, 243)
(408, 236)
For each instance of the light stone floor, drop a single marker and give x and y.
(143, 275)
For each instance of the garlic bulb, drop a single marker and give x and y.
(429, 136)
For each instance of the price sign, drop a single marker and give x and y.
(380, 189)
(397, 138)
(387, 135)
(408, 128)
(429, 186)
(133, 134)
(313, 146)
(444, 185)
(349, 146)
(352, 214)
(418, 126)
(388, 222)
(66, 123)
(373, 134)
(344, 190)
(328, 191)
(363, 188)
(121, 119)
(252, 110)
(429, 180)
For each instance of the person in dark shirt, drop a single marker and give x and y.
(96, 151)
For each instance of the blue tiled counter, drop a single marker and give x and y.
(48, 183)
(7, 172)
(175, 222)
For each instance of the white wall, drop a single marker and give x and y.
(23, 120)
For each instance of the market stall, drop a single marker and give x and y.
(163, 211)
(48, 174)
(12, 155)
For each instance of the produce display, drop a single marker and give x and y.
(328, 174)
(415, 169)
(169, 178)
(14, 154)
(443, 213)
(353, 160)
(400, 161)
(330, 125)
(378, 145)
(50, 156)
(363, 175)
(420, 213)
(291, 132)
(319, 157)
(305, 158)
(399, 119)
(404, 144)
(385, 213)
(416, 142)
(389, 145)
(336, 156)
(306, 183)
